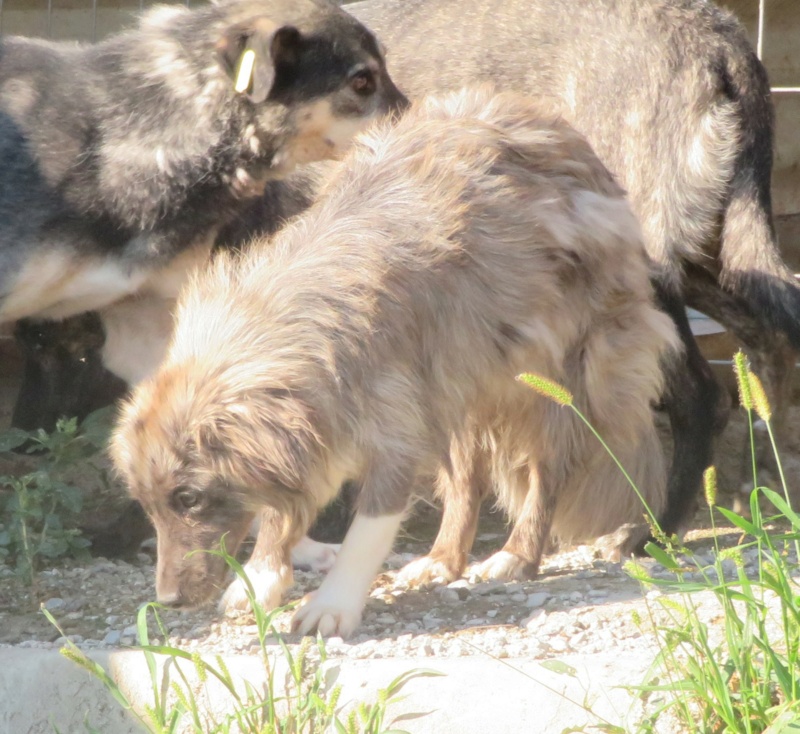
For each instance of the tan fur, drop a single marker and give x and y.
(377, 338)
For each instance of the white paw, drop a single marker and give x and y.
(269, 584)
(423, 572)
(502, 566)
(314, 555)
(327, 615)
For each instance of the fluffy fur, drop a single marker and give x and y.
(119, 162)
(379, 335)
(675, 102)
(673, 99)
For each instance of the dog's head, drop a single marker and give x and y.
(203, 456)
(64, 373)
(312, 71)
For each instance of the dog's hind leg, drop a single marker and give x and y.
(461, 487)
(520, 557)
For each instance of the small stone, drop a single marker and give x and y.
(450, 595)
(75, 639)
(518, 597)
(112, 619)
(557, 644)
(460, 584)
(386, 619)
(492, 613)
(537, 600)
(56, 604)
(535, 620)
(426, 649)
(112, 637)
(489, 587)
(129, 631)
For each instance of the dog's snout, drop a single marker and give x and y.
(401, 102)
(395, 100)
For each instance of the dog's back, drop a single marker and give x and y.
(478, 239)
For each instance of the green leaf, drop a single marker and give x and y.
(659, 554)
(782, 506)
(96, 427)
(739, 521)
(13, 438)
(557, 666)
(787, 722)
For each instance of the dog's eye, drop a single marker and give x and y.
(187, 499)
(363, 82)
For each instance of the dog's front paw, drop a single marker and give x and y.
(269, 585)
(326, 615)
(423, 572)
(313, 555)
(502, 566)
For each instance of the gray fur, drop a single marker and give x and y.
(675, 102)
(117, 158)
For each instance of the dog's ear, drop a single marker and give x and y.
(258, 441)
(254, 54)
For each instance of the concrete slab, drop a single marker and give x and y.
(40, 692)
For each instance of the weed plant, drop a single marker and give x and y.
(39, 509)
(303, 703)
(745, 680)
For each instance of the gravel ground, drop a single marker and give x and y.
(579, 604)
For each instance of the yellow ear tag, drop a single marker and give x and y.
(245, 71)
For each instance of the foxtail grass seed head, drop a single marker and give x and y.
(333, 700)
(636, 571)
(636, 617)
(742, 370)
(199, 666)
(77, 657)
(732, 554)
(760, 400)
(222, 668)
(710, 485)
(180, 694)
(655, 530)
(547, 388)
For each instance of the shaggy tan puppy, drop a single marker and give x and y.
(377, 339)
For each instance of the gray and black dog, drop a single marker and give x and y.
(119, 162)
(673, 98)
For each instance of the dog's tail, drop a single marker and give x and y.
(752, 268)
